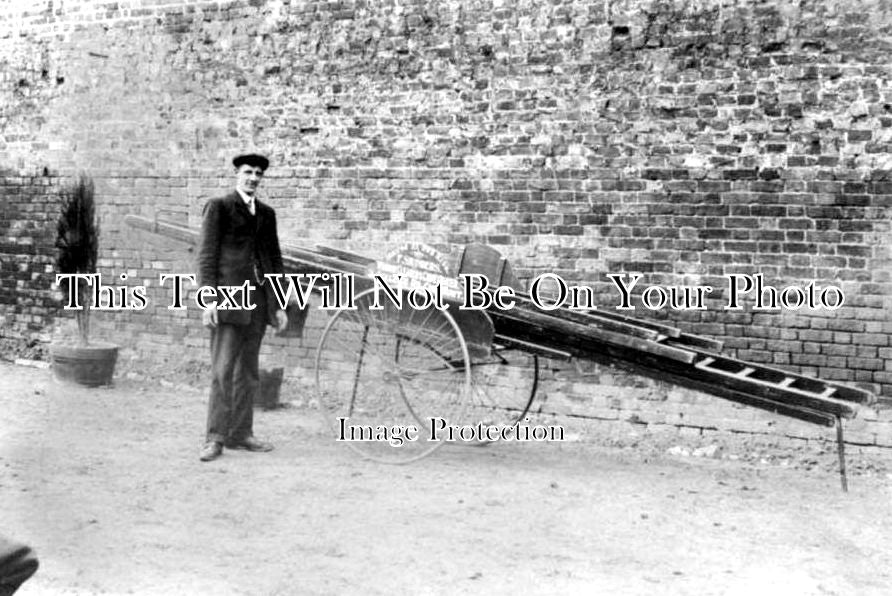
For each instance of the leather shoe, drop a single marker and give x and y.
(211, 451)
(249, 443)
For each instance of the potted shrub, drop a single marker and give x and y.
(77, 241)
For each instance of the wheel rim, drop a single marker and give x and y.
(504, 387)
(391, 369)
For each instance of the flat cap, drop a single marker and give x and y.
(251, 159)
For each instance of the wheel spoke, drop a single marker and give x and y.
(504, 387)
(389, 369)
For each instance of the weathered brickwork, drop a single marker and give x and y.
(27, 236)
(681, 140)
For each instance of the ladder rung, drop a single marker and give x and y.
(705, 362)
(828, 392)
(745, 372)
(742, 374)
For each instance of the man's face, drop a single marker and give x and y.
(247, 178)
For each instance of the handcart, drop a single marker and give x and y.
(395, 377)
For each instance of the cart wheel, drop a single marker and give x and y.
(383, 374)
(504, 387)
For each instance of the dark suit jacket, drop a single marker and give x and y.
(232, 242)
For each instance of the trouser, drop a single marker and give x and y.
(235, 377)
(17, 564)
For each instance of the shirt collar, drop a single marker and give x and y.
(246, 198)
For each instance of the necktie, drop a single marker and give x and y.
(251, 205)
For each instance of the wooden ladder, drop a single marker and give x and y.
(804, 392)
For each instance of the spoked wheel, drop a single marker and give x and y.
(504, 387)
(387, 377)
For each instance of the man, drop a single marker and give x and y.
(239, 243)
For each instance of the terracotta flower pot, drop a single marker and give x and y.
(91, 365)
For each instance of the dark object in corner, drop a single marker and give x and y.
(17, 563)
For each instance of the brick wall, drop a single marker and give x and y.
(27, 235)
(680, 140)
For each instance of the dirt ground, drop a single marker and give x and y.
(106, 485)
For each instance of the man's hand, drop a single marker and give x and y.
(209, 317)
(281, 321)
